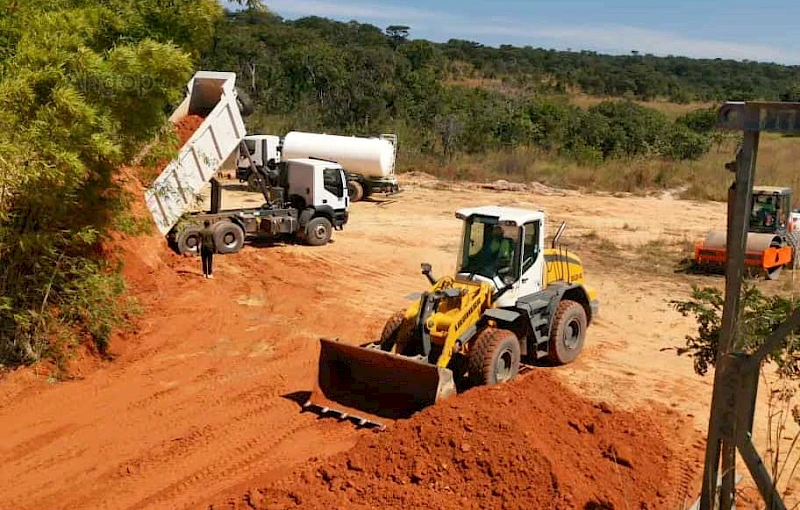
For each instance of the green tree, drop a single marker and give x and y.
(83, 87)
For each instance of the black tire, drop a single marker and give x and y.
(494, 357)
(568, 333)
(228, 237)
(793, 238)
(188, 240)
(252, 182)
(318, 231)
(355, 191)
(245, 104)
(389, 333)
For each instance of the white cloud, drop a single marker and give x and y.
(625, 39)
(350, 10)
(609, 38)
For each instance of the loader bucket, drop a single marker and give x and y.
(374, 386)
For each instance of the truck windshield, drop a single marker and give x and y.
(489, 249)
(251, 146)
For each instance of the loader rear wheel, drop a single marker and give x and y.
(569, 332)
(494, 357)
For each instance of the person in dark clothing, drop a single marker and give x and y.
(207, 249)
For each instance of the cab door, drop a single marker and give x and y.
(532, 264)
(334, 192)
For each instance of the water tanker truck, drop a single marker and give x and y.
(369, 163)
(305, 198)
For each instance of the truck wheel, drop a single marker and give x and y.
(494, 357)
(252, 182)
(318, 231)
(355, 190)
(568, 333)
(228, 237)
(188, 240)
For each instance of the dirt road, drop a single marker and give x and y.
(205, 398)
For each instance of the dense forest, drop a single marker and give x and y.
(313, 73)
(84, 86)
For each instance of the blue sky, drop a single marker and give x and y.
(751, 30)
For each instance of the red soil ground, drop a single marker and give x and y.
(199, 409)
(530, 444)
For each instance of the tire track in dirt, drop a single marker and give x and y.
(204, 397)
(192, 412)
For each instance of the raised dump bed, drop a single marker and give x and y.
(211, 95)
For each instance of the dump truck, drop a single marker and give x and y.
(304, 198)
(773, 237)
(510, 297)
(369, 163)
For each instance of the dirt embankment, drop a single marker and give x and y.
(531, 444)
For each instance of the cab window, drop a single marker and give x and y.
(332, 179)
(531, 248)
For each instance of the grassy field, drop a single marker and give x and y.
(671, 110)
(705, 178)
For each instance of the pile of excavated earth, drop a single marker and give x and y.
(533, 443)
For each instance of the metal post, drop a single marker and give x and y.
(736, 374)
(722, 424)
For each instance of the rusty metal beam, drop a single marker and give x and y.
(768, 116)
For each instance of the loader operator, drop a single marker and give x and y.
(500, 251)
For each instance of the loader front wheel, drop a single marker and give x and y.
(390, 330)
(494, 357)
(569, 332)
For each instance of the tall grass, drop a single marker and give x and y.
(705, 179)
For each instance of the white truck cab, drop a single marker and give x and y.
(320, 184)
(262, 148)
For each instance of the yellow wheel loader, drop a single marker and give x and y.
(510, 297)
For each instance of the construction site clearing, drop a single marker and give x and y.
(206, 403)
(201, 405)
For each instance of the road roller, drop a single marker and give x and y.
(772, 238)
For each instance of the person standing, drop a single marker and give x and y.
(207, 249)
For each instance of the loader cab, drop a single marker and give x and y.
(770, 209)
(502, 246)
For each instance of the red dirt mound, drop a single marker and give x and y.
(530, 444)
(186, 127)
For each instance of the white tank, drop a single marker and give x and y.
(372, 157)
